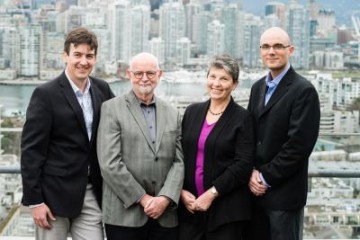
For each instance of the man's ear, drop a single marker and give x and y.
(64, 57)
(291, 49)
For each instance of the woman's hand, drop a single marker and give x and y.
(204, 202)
(188, 200)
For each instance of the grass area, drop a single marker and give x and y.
(354, 74)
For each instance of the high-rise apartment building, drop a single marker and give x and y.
(172, 28)
(30, 44)
(140, 29)
(47, 19)
(326, 22)
(342, 92)
(70, 19)
(216, 38)
(131, 29)
(183, 50)
(271, 21)
(298, 27)
(277, 9)
(313, 8)
(121, 31)
(53, 48)
(200, 33)
(10, 48)
(192, 10)
(155, 4)
(329, 60)
(157, 49)
(252, 33)
(234, 27)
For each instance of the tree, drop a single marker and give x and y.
(10, 142)
(355, 105)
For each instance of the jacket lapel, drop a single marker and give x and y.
(261, 98)
(200, 118)
(73, 102)
(135, 111)
(160, 122)
(280, 91)
(96, 103)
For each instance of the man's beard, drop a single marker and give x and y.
(145, 90)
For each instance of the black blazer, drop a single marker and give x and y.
(56, 151)
(286, 132)
(229, 152)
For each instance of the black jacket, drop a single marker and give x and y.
(286, 132)
(56, 151)
(228, 162)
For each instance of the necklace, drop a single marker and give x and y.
(215, 113)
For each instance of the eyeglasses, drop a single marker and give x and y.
(275, 47)
(140, 74)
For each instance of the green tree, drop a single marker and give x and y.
(355, 105)
(10, 142)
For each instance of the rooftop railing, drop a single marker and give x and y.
(312, 173)
(322, 211)
(349, 220)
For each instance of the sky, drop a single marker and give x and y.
(343, 8)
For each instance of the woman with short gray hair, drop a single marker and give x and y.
(218, 145)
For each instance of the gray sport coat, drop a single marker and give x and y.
(132, 165)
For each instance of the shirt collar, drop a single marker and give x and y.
(141, 103)
(276, 80)
(75, 88)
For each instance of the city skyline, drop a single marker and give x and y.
(343, 8)
(184, 37)
(181, 35)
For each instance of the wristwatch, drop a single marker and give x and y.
(214, 191)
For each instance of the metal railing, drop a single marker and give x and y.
(312, 174)
(318, 172)
(323, 173)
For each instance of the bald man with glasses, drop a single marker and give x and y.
(140, 158)
(286, 114)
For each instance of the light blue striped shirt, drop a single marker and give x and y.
(85, 102)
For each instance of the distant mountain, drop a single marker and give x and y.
(342, 8)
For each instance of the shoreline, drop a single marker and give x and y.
(38, 82)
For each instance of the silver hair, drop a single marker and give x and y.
(141, 55)
(226, 62)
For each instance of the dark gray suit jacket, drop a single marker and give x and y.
(286, 132)
(132, 166)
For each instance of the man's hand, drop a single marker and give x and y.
(188, 200)
(145, 199)
(41, 215)
(156, 206)
(255, 184)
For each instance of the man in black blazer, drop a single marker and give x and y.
(59, 167)
(286, 114)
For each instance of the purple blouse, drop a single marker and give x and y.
(199, 168)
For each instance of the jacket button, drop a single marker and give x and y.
(156, 159)
(259, 143)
